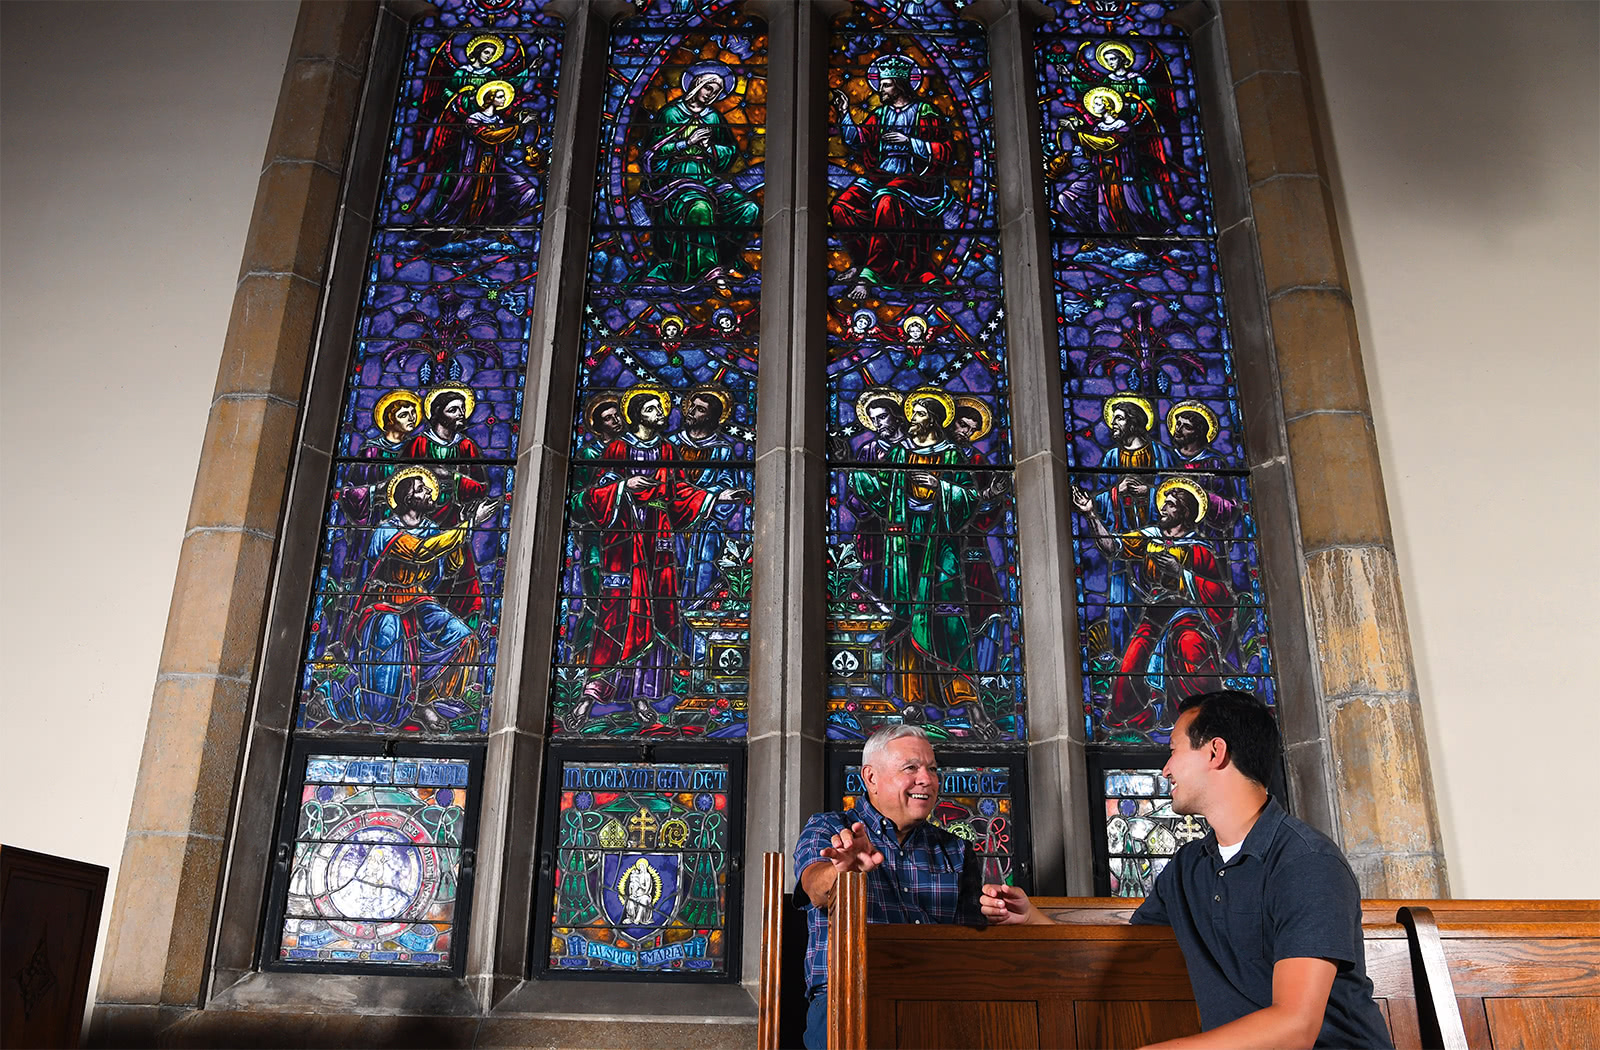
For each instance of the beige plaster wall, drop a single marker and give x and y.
(1465, 141)
(131, 138)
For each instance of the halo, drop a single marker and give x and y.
(1113, 45)
(450, 388)
(1094, 93)
(720, 393)
(718, 314)
(908, 318)
(865, 310)
(701, 69)
(1129, 399)
(1201, 500)
(408, 396)
(1200, 409)
(499, 46)
(596, 403)
(675, 319)
(871, 394)
(629, 396)
(511, 92)
(931, 393)
(895, 66)
(985, 416)
(428, 480)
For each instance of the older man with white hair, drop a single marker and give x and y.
(917, 872)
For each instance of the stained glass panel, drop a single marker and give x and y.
(975, 803)
(1142, 832)
(377, 859)
(642, 866)
(1170, 595)
(924, 624)
(653, 625)
(472, 130)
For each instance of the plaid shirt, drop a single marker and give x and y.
(932, 876)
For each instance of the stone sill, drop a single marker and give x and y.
(629, 1001)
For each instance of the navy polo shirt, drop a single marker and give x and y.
(1287, 894)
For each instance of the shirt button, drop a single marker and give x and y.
(1221, 873)
(1217, 898)
(917, 922)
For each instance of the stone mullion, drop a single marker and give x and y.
(505, 894)
(1362, 686)
(787, 680)
(1057, 774)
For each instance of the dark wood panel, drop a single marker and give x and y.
(948, 1024)
(1539, 1023)
(50, 914)
(1475, 1022)
(1118, 1025)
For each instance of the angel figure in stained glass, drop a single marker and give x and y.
(1184, 627)
(701, 221)
(474, 169)
(1117, 139)
(887, 214)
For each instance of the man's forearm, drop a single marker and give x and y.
(818, 880)
(1272, 1027)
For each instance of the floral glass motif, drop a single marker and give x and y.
(924, 624)
(974, 804)
(1170, 595)
(654, 620)
(377, 854)
(404, 625)
(1142, 832)
(641, 868)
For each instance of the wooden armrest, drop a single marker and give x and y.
(1438, 1013)
(847, 963)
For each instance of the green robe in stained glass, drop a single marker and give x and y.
(690, 202)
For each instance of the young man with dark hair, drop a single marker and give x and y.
(1265, 907)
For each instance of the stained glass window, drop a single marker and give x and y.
(1141, 830)
(403, 631)
(1170, 596)
(924, 624)
(653, 630)
(979, 803)
(376, 879)
(642, 877)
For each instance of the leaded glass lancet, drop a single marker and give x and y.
(403, 632)
(924, 623)
(1170, 597)
(653, 619)
(653, 629)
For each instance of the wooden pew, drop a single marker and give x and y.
(1097, 982)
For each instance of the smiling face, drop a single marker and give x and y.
(1188, 767)
(903, 781)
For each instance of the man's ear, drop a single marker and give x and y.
(1219, 756)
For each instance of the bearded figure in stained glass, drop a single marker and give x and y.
(474, 167)
(413, 655)
(886, 215)
(444, 441)
(927, 512)
(640, 511)
(701, 222)
(703, 441)
(1176, 648)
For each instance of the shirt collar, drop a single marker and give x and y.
(1259, 836)
(880, 825)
